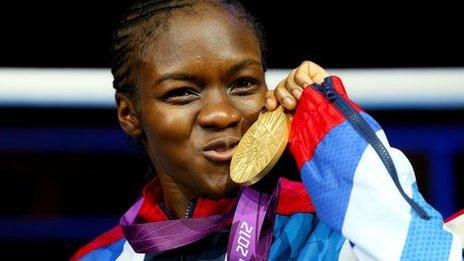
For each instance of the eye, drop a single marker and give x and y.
(245, 86)
(181, 95)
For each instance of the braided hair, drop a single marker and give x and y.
(146, 20)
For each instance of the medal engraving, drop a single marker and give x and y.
(260, 147)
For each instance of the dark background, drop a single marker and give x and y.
(57, 194)
(374, 34)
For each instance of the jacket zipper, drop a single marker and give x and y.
(363, 128)
(171, 215)
(190, 208)
(189, 214)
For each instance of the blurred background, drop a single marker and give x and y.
(68, 173)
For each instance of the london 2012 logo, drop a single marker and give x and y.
(243, 241)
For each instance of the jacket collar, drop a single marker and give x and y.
(152, 208)
(292, 198)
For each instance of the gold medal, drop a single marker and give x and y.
(260, 147)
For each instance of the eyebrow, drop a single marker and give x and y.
(244, 64)
(179, 76)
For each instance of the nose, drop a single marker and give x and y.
(218, 112)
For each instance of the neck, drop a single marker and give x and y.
(176, 196)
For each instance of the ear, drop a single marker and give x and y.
(128, 116)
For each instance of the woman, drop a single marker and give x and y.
(189, 80)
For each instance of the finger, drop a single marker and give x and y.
(292, 87)
(302, 77)
(284, 97)
(270, 101)
(317, 73)
(309, 72)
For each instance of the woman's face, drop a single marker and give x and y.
(201, 87)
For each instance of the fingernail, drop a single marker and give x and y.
(296, 93)
(268, 102)
(288, 101)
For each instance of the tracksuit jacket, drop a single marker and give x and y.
(357, 199)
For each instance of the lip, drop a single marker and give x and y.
(220, 149)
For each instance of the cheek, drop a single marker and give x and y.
(168, 130)
(250, 108)
(168, 125)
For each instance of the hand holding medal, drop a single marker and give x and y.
(265, 141)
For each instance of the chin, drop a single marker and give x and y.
(225, 189)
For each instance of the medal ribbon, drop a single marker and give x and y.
(244, 240)
(154, 237)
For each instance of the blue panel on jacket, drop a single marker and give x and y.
(310, 239)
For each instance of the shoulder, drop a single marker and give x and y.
(293, 198)
(107, 246)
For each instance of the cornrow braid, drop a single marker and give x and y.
(147, 19)
(131, 34)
